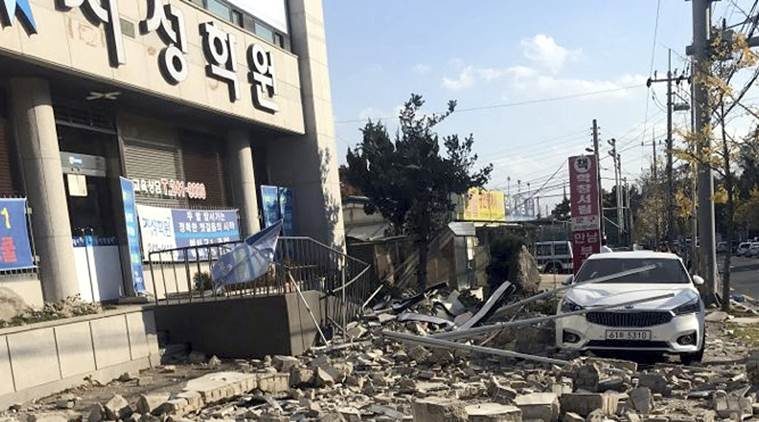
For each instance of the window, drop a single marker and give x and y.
(544, 250)
(561, 249)
(249, 23)
(279, 39)
(664, 271)
(264, 32)
(219, 9)
(237, 18)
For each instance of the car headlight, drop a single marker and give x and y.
(569, 306)
(692, 306)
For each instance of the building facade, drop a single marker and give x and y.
(197, 103)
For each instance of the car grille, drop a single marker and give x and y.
(629, 319)
(628, 344)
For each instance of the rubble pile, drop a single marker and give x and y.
(370, 376)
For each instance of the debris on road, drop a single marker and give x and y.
(391, 366)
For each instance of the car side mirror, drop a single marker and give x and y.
(568, 280)
(698, 280)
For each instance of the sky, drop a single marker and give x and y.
(535, 73)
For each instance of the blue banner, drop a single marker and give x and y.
(15, 248)
(169, 228)
(132, 234)
(277, 203)
(249, 260)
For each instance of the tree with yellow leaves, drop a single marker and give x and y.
(730, 55)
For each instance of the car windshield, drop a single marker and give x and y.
(666, 270)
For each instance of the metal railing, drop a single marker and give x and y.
(182, 275)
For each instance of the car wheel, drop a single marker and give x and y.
(696, 357)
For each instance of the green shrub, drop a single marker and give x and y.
(202, 281)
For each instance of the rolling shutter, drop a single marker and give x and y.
(148, 160)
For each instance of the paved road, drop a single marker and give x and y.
(744, 277)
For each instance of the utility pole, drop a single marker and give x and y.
(702, 109)
(617, 188)
(630, 223)
(654, 172)
(598, 172)
(671, 107)
(620, 198)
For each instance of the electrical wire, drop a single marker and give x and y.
(515, 104)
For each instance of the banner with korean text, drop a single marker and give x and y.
(132, 234)
(584, 208)
(171, 228)
(15, 248)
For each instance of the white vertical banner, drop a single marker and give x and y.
(156, 229)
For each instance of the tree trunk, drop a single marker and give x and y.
(421, 269)
(730, 216)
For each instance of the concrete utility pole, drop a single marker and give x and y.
(598, 172)
(702, 112)
(671, 107)
(617, 187)
(654, 173)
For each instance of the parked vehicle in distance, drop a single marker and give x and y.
(554, 256)
(672, 325)
(753, 250)
(722, 247)
(742, 248)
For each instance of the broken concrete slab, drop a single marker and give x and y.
(147, 403)
(641, 399)
(222, 385)
(284, 363)
(437, 409)
(584, 404)
(117, 407)
(541, 406)
(657, 382)
(491, 412)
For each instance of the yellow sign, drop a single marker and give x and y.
(483, 205)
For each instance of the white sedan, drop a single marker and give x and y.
(673, 325)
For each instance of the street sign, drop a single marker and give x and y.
(584, 208)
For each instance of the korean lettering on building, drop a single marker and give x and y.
(166, 19)
(584, 208)
(170, 188)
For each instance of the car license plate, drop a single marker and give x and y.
(628, 335)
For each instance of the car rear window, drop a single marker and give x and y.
(666, 271)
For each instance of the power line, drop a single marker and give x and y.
(515, 104)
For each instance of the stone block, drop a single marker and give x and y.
(75, 348)
(111, 341)
(730, 406)
(585, 403)
(147, 403)
(439, 409)
(487, 412)
(33, 357)
(656, 382)
(641, 399)
(5, 369)
(138, 340)
(117, 408)
(542, 406)
(284, 363)
(274, 383)
(222, 385)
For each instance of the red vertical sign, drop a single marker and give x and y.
(584, 208)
